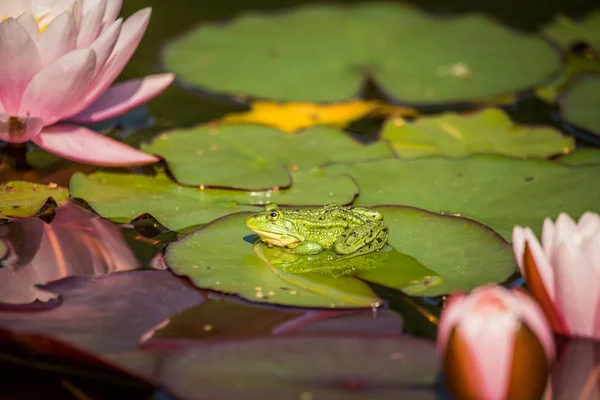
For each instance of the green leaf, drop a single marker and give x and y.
(428, 254)
(123, 197)
(580, 103)
(20, 199)
(458, 135)
(576, 65)
(325, 54)
(581, 157)
(568, 32)
(497, 191)
(254, 157)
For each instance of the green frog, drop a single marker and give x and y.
(347, 231)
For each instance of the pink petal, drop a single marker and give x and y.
(589, 223)
(123, 97)
(131, 33)
(565, 228)
(28, 22)
(88, 147)
(104, 45)
(597, 319)
(548, 236)
(542, 263)
(58, 38)
(113, 7)
(14, 8)
(19, 129)
(518, 243)
(19, 63)
(452, 314)
(535, 319)
(91, 24)
(577, 289)
(54, 88)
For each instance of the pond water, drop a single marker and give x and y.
(90, 307)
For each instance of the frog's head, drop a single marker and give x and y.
(273, 227)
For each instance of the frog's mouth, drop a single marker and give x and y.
(276, 239)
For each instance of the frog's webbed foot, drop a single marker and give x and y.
(307, 248)
(362, 239)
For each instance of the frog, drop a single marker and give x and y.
(345, 230)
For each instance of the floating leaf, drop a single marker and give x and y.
(457, 135)
(325, 54)
(322, 368)
(254, 157)
(220, 256)
(497, 191)
(581, 157)
(292, 117)
(580, 103)
(576, 64)
(25, 199)
(123, 197)
(568, 32)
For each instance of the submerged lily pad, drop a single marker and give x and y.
(580, 103)
(430, 254)
(254, 157)
(325, 54)
(25, 199)
(457, 135)
(568, 32)
(123, 197)
(497, 191)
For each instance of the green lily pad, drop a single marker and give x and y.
(458, 135)
(254, 157)
(429, 254)
(20, 199)
(497, 191)
(123, 197)
(580, 103)
(576, 65)
(568, 32)
(581, 157)
(325, 54)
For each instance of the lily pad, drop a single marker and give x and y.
(305, 368)
(580, 103)
(498, 191)
(568, 32)
(575, 65)
(123, 197)
(25, 199)
(457, 135)
(581, 157)
(254, 157)
(434, 254)
(325, 54)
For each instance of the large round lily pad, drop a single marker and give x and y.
(568, 32)
(431, 254)
(325, 54)
(25, 199)
(498, 191)
(123, 197)
(457, 135)
(580, 103)
(254, 157)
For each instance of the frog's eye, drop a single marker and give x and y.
(273, 216)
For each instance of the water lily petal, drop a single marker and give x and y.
(122, 97)
(19, 129)
(589, 224)
(27, 21)
(518, 243)
(565, 228)
(54, 88)
(88, 147)
(535, 320)
(577, 289)
(104, 45)
(91, 23)
(58, 38)
(14, 8)
(523, 236)
(548, 236)
(113, 7)
(20, 62)
(453, 311)
(131, 33)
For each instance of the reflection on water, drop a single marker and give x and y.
(75, 243)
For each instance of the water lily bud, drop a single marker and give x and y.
(495, 344)
(563, 273)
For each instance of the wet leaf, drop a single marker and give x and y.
(254, 157)
(305, 368)
(568, 32)
(107, 314)
(497, 191)
(123, 197)
(221, 256)
(292, 117)
(459, 135)
(25, 199)
(324, 54)
(580, 103)
(581, 157)
(576, 65)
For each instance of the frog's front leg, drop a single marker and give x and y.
(369, 237)
(307, 248)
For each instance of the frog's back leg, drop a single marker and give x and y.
(369, 237)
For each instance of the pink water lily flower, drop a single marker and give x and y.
(58, 60)
(563, 273)
(495, 344)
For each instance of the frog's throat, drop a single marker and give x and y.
(277, 239)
